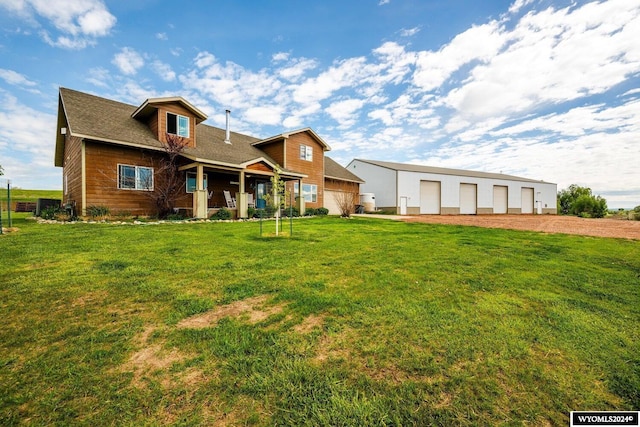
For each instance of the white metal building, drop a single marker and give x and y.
(413, 190)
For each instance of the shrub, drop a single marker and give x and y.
(580, 201)
(292, 210)
(223, 213)
(122, 215)
(322, 211)
(251, 212)
(51, 212)
(175, 217)
(309, 212)
(98, 211)
(264, 213)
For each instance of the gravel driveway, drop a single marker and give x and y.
(544, 223)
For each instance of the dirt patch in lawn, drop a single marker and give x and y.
(309, 324)
(254, 308)
(603, 227)
(151, 359)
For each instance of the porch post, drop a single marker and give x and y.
(200, 195)
(300, 201)
(242, 202)
(242, 181)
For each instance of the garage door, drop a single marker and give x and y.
(500, 199)
(331, 202)
(527, 201)
(468, 199)
(430, 197)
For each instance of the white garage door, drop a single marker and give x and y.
(330, 202)
(430, 197)
(527, 201)
(500, 199)
(468, 199)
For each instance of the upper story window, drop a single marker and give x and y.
(135, 177)
(306, 152)
(178, 125)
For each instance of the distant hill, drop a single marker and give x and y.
(21, 195)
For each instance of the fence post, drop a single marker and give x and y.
(9, 202)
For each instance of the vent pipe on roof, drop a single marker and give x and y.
(227, 138)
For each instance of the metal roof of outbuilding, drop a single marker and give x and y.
(406, 167)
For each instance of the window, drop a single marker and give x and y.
(192, 183)
(178, 125)
(309, 192)
(306, 152)
(135, 177)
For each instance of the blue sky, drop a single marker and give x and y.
(544, 89)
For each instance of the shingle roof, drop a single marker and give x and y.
(444, 171)
(332, 169)
(102, 119)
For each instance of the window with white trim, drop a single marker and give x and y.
(135, 178)
(178, 125)
(192, 183)
(306, 153)
(309, 192)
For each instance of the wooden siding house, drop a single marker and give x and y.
(110, 154)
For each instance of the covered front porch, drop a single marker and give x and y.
(211, 187)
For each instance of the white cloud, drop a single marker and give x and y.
(383, 2)
(25, 140)
(518, 5)
(553, 57)
(296, 69)
(14, 78)
(79, 22)
(99, 77)
(408, 32)
(343, 74)
(163, 70)
(345, 112)
(271, 115)
(162, 36)
(128, 61)
(230, 84)
(280, 56)
(477, 44)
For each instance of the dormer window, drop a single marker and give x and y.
(178, 125)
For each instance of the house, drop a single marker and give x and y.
(412, 190)
(111, 154)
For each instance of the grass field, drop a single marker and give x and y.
(348, 322)
(20, 195)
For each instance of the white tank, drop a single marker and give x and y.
(368, 201)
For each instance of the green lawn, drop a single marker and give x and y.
(348, 322)
(20, 195)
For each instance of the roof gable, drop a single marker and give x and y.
(287, 135)
(152, 104)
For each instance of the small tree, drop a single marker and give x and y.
(580, 201)
(278, 195)
(346, 199)
(1, 171)
(169, 181)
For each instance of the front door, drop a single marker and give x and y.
(262, 189)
